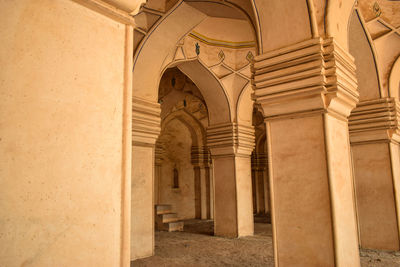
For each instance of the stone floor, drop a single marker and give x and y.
(197, 246)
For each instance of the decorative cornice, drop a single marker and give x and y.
(316, 75)
(230, 139)
(375, 120)
(221, 43)
(108, 10)
(146, 121)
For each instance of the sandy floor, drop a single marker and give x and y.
(197, 247)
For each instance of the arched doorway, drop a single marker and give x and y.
(213, 44)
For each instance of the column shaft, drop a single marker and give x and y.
(233, 204)
(307, 91)
(260, 191)
(374, 132)
(145, 130)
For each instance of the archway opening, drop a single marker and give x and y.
(183, 185)
(213, 50)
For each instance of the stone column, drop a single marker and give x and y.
(231, 145)
(200, 159)
(211, 177)
(374, 136)
(258, 169)
(260, 183)
(263, 172)
(307, 92)
(145, 130)
(159, 159)
(253, 180)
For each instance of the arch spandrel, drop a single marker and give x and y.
(282, 23)
(163, 47)
(362, 50)
(214, 94)
(161, 41)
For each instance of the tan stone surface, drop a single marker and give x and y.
(243, 195)
(300, 192)
(395, 162)
(142, 208)
(341, 191)
(225, 209)
(66, 112)
(61, 130)
(375, 199)
(178, 143)
(359, 47)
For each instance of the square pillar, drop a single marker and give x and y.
(306, 92)
(200, 158)
(233, 205)
(145, 130)
(374, 137)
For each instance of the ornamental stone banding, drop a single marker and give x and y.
(316, 75)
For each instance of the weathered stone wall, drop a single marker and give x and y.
(178, 143)
(61, 95)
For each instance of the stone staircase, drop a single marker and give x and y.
(166, 220)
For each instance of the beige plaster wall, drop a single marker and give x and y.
(61, 86)
(395, 155)
(341, 191)
(225, 216)
(178, 142)
(300, 192)
(142, 208)
(375, 198)
(244, 196)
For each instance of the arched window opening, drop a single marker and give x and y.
(176, 178)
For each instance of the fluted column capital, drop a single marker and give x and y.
(230, 139)
(200, 156)
(146, 122)
(316, 75)
(375, 120)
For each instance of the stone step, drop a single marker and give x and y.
(163, 209)
(175, 226)
(168, 217)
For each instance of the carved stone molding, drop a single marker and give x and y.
(316, 75)
(230, 139)
(259, 161)
(375, 120)
(159, 153)
(146, 122)
(200, 156)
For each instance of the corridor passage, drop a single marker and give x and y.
(197, 246)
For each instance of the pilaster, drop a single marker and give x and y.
(375, 136)
(307, 91)
(145, 131)
(159, 159)
(201, 159)
(259, 168)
